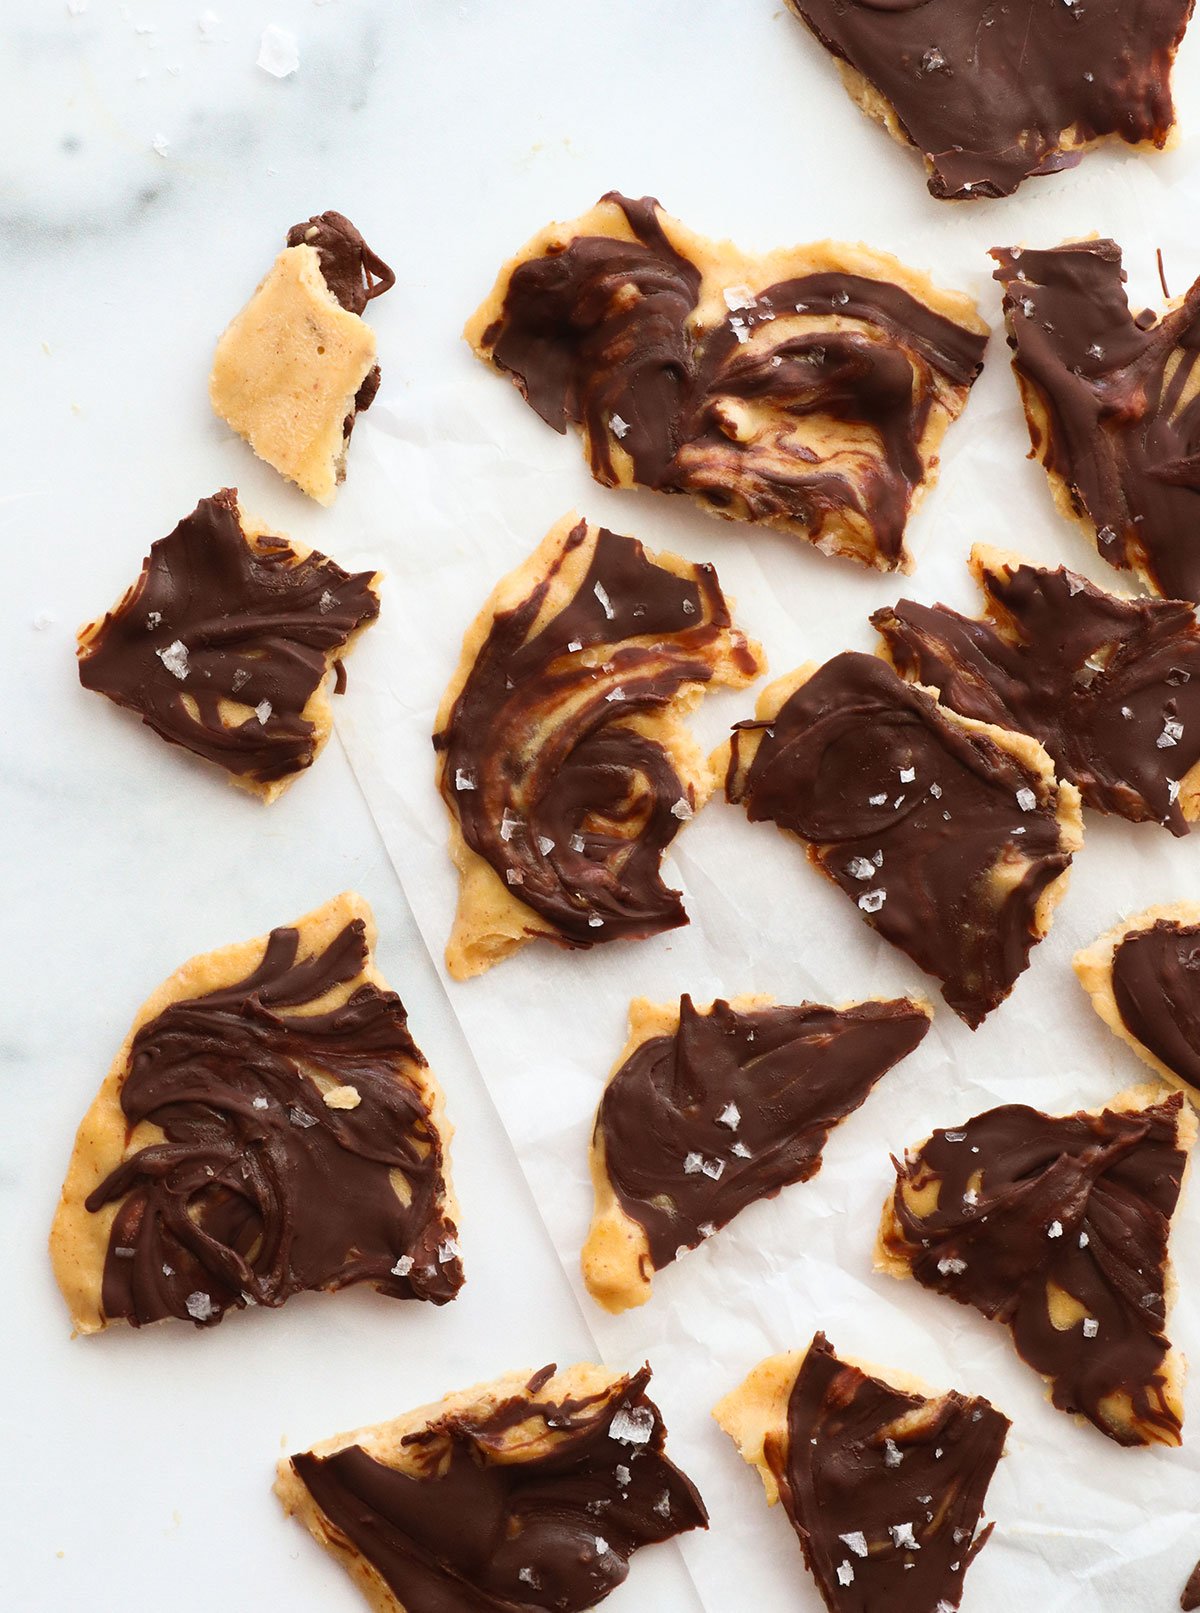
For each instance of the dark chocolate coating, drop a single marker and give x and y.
(569, 804)
(256, 627)
(1189, 1598)
(353, 273)
(1124, 433)
(988, 90)
(1082, 1201)
(1111, 687)
(474, 1535)
(864, 1460)
(791, 1074)
(920, 858)
(602, 329)
(1156, 984)
(258, 1189)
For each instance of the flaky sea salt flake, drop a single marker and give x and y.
(403, 1266)
(856, 1541)
(632, 1425)
(200, 1306)
(601, 594)
(872, 901)
(175, 659)
(1026, 799)
(278, 52)
(730, 1116)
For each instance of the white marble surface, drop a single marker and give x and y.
(138, 1467)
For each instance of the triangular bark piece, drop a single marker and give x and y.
(709, 1111)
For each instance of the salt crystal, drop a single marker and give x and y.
(1172, 789)
(619, 427)
(936, 791)
(955, 1136)
(1054, 1230)
(448, 1251)
(1176, 676)
(932, 62)
(632, 1425)
(622, 1475)
(693, 1164)
(741, 1150)
(153, 620)
(663, 1504)
(714, 1168)
(952, 1267)
(403, 1266)
(175, 659)
(528, 1577)
(1026, 799)
(574, 646)
(278, 52)
(682, 809)
(260, 1103)
(738, 297)
(1171, 735)
(738, 328)
(168, 1271)
(123, 1253)
(301, 1117)
(707, 1230)
(199, 1306)
(262, 711)
(902, 1535)
(514, 876)
(971, 1197)
(860, 868)
(1095, 351)
(1084, 1240)
(907, 774)
(877, 800)
(856, 1541)
(326, 602)
(689, 608)
(545, 845)
(1089, 78)
(1090, 1327)
(615, 694)
(595, 921)
(601, 594)
(1126, 712)
(898, 802)
(509, 824)
(577, 843)
(160, 145)
(872, 901)
(841, 298)
(462, 780)
(730, 1116)
(892, 1454)
(845, 1574)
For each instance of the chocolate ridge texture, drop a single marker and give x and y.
(225, 643)
(807, 389)
(267, 1126)
(529, 1493)
(296, 366)
(1112, 406)
(993, 95)
(709, 1110)
(882, 1479)
(1110, 686)
(563, 757)
(952, 837)
(1057, 1226)
(1143, 979)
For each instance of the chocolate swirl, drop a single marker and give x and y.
(1122, 428)
(1111, 687)
(884, 1488)
(992, 95)
(259, 1189)
(548, 762)
(549, 1529)
(1156, 985)
(222, 642)
(736, 1105)
(945, 842)
(604, 333)
(1058, 1226)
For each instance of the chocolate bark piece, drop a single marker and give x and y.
(883, 1480)
(1110, 686)
(1057, 1226)
(224, 644)
(563, 757)
(269, 1126)
(808, 389)
(993, 95)
(1112, 406)
(1143, 978)
(297, 365)
(524, 1494)
(1189, 1598)
(709, 1111)
(953, 838)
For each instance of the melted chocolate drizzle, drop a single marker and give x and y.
(550, 781)
(949, 863)
(736, 1105)
(1111, 687)
(1156, 984)
(1123, 412)
(989, 92)
(259, 1190)
(213, 618)
(884, 1488)
(472, 1534)
(1083, 1202)
(602, 331)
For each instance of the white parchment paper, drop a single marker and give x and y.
(472, 479)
